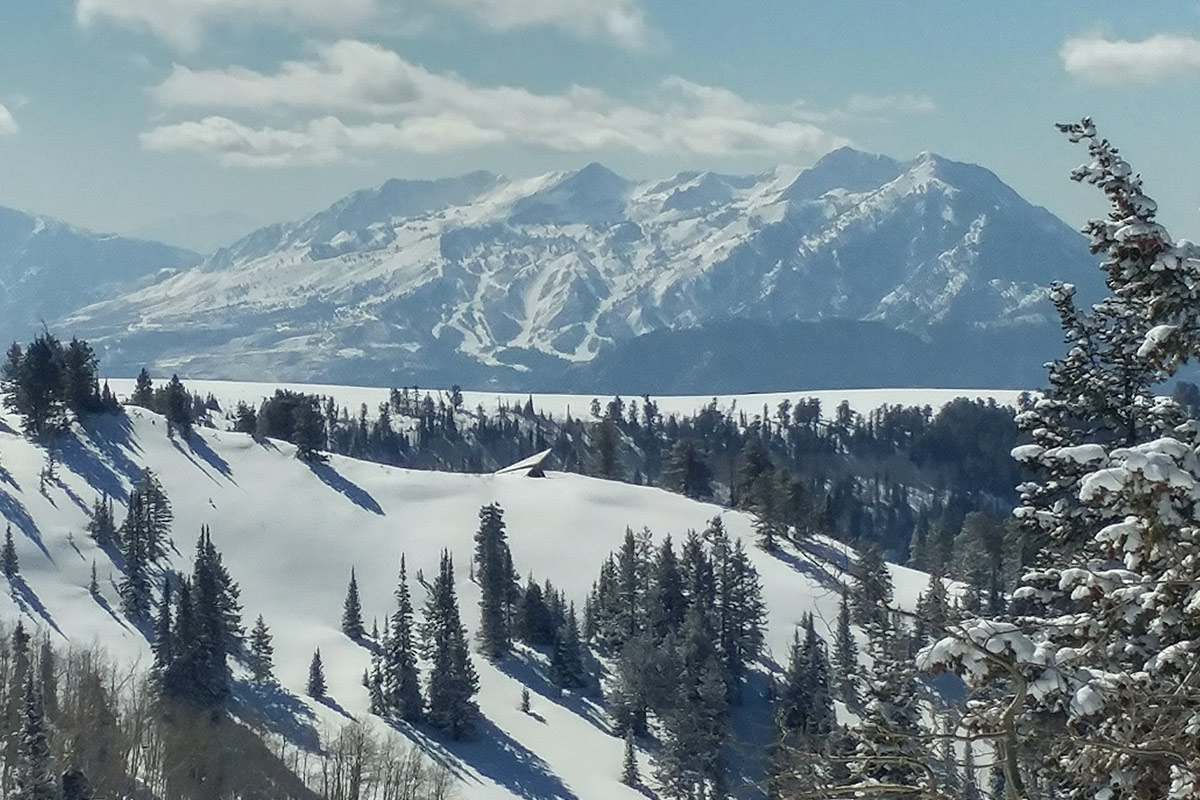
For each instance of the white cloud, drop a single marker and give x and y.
(8, 125)
(619, 21)
(890, 104)
(1122, 63)
(365, 98)
(184, 23)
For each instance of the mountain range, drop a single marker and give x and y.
(860, 271)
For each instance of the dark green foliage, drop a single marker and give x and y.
(176, 406)
(687, 472)
(566, 658)
(294, 417)
(452, 679)
(352, 624)
(872, 593)
(497, 583)
(607, 438)
(145, 535)
(804, 703)
(102, 527)
(533, 623)
(315, 688)
(143, 390)
(629, 768)
(261, 653)
(401, 692)
(245, 418)
(845, 655)
(8, 555)
(198, 673)
(163, 645)
(45, 380)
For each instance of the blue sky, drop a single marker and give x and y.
(117, 114)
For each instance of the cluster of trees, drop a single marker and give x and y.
(682, 630)
(46, 380)
(173, 401)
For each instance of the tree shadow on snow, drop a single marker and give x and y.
(523, 668)
(497, 756)
(270, 706)
(353, 492)
(15, 512)
(29, 602)
(805, 566)
(200, 446)
(104, 467)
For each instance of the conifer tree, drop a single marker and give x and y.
(315, 688)
(845, 655)
(143, 390)
(352, 624)
(8, 556)
(93, 583)
(566, 659)
(872, 595)
(533, 623)
(401, 681)
(261, 652)
(48, 678)
(35, 777)
(452, 679)
(629, 766)
(164, 653)
(102, 526)
(497, 585)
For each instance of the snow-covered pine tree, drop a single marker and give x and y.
(261, 652)
(1088, 687)
(315, 687)
(872, 595)
(401, 681)
(888, 746)
(352, 624)
(35, 775)
(452, 679)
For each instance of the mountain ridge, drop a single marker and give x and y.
(507, 283)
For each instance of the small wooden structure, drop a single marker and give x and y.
(532, 467)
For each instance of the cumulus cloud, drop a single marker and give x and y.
(183, 23)
(619, 21)
(8, 125)
(363, 97)
(1117, 62)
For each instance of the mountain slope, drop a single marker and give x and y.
(48, 268)
(482, 280)
(291, 533)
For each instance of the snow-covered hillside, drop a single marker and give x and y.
(290, 533)
(485, 278)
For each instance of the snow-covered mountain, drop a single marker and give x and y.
(48, 268)
(290, 533)
(482, 279)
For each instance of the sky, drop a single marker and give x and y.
(210, 117)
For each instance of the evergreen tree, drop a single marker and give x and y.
(845, 655)
(102, 526)
(566, 659)
(629, 766)
(352, 624)
(497, 584)
(164, 651)
(308, 430)
(533, 622)
(315, 688)
(452, 679)
(35, 778)
(666, 604)
(48, 678)
(261, 652)
(8, 555)
(524, 706)
(872, 595)
(177, 407)
(143, 390)
(687, 472)
(401, 682)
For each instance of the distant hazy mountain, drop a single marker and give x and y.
(48, 268)
(522, 283)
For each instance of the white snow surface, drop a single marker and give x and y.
(861, 401)
(290, 534)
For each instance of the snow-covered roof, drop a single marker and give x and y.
(532, 467)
